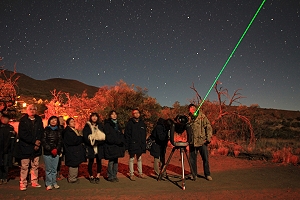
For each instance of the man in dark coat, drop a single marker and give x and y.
(30, 134)
(158, 148)
(7, 138)
(135, 136)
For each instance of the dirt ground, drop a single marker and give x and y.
(233, 178)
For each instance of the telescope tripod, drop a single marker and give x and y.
(182, 151)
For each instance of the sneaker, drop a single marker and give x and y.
(132, 177)
(4, 181)
(49, 187)
(116, 179)
(56, 186)
(97, 180)
(23, 188)
(142, 176)
(209, 178)
(36, 185)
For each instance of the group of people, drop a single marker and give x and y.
(97, 141)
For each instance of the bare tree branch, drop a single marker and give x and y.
(236, 95)
(199, 99)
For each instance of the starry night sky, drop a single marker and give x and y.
(163, 46)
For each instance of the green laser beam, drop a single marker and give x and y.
(227, 61)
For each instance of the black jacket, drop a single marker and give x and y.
(135, 136)
(114, 146)
(51, 140)
(100, 144)
(29, 132)
(160, 135)
(74, 149)
(7, 141)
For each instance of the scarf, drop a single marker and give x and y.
(115, 121)
(53, 127)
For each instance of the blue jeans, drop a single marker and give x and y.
(51, 169)
(204, 155)
(112, 169)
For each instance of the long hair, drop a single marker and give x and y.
(94, 114)
(53, 117)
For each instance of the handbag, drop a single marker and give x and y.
(96, 135)
(149, 143)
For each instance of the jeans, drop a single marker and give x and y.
(4, 167)
(204, 155)
(112, 169)
(24, 170)
(139, 164)
(51, 169)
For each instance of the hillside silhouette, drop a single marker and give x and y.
(27, 86)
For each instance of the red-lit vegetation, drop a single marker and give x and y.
(240, 131)
(121, 97)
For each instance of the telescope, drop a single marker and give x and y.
(179, 126)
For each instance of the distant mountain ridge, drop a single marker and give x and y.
(27, 86)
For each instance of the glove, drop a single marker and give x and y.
(54, 152)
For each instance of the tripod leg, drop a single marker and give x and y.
(182, 166)
(164, 168)
(192, 171)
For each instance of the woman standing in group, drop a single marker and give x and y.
(92, 129)
(51, 142)
(114, 147)
(74, 150)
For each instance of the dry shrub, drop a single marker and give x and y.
(214, 144)
(297, 151)
(222, 147)
(223, 151)
(236, 153)
(237, 149)
(294, 160)
(285, 156)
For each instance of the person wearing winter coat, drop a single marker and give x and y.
(201, 137)
(114, 146)
(7, 140)
(30, 133)
(158, 149)
(94, 147)
(51, 142)
(74, 150)
(135, 136)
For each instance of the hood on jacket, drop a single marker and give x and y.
(160, 121)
